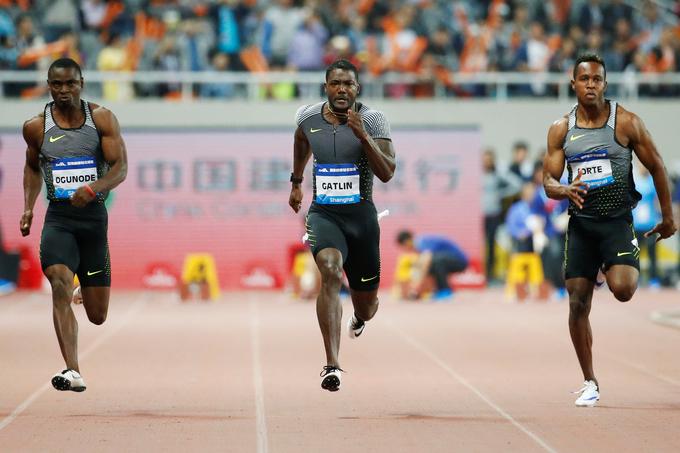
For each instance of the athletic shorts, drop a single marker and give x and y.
(77, 238)
(593, 243)
(354, 230)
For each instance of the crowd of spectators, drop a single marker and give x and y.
(430, 39)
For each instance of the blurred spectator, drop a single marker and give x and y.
(555, 218)
(228, 17)
(521, 164)
(285, 20)
(616, 11)
(61, 16)
(196, 42)
(522, 223)
(8, 53)
(115, 57)
(645, 217)
(219, 63)
(438, 257)
(496, 187)
(93, 14)
(594, 43)
(564, 58)
(340, 47)
(168, 57)
(307, 46)
(651, 25)
(26, 42)
(6, 24)
(591, 16)
(258, 32)
(538, 58)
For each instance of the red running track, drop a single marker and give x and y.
(241, 375)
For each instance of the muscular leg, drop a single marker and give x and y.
(96, 302)
(328, 307)
(65, 324)
(580, 298)
(365, 304)
(622, 281)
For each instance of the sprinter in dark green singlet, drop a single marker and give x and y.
(597, 140)
(350, 143)
(77, 147)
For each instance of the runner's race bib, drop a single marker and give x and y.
(337, 183)
(595, 168)
(70, 173)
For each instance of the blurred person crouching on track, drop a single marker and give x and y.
(437, 258)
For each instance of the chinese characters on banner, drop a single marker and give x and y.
(226, 193)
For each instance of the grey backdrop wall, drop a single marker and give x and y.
(502, 123)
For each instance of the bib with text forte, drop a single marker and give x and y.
(595, 168)
(337, 183)
(70, 173)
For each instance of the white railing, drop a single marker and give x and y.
(498, 85)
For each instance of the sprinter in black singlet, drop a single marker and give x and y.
(597, 140)
(350, 143)
(77, 147)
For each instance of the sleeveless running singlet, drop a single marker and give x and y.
(71, 158)
(604, 164)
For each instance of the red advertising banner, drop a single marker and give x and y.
(226, 194)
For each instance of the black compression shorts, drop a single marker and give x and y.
(77, 238)
(354, 231)
(592, 243)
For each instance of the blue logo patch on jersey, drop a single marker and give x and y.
(594, 167)
(337, 183)
(68, 174)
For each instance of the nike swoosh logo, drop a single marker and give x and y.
(364, 280)
(312, 130)
(576, 137)
(54, 139)
(624, 253)
(90, 274)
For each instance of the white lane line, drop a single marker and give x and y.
(627, 363)
(432, 356)
(641, 369)
(260, 417)
(132, 311)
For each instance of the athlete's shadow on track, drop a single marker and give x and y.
(428, 417)
(668, 407)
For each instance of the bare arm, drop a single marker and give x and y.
(115, 154)
(553, 167)
(640, 140)
(32, 132)
(379, 152)
(301, 154)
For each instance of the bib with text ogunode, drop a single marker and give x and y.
(70, 173)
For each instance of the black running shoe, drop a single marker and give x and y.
(330, 378)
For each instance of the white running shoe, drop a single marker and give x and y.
(355, 327)
(330, 378)
(69, 380)
(590, 395)
(77, 296)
